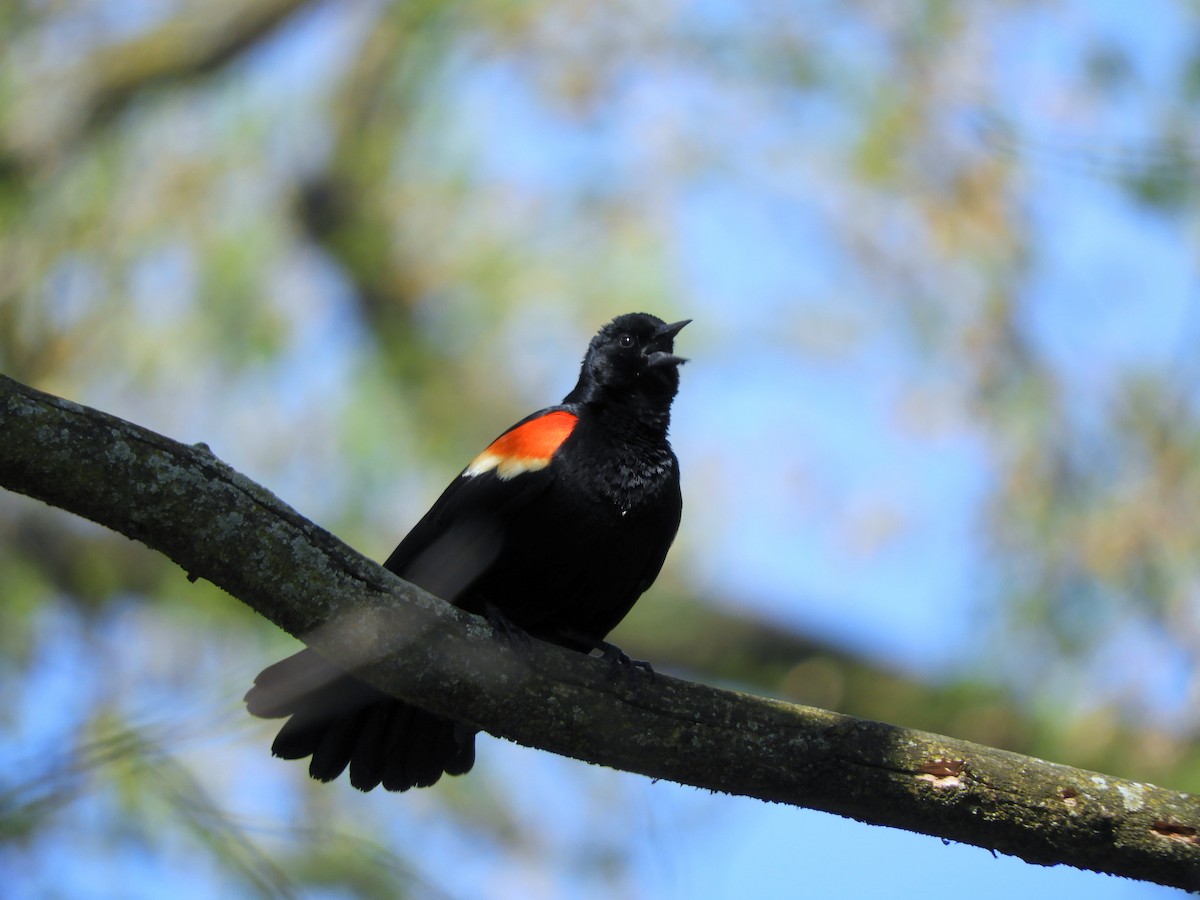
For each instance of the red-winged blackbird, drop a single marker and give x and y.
(555, 529)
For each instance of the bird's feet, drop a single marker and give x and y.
(621, 663)
(506, 628)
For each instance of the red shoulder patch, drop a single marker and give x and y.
(525, 448)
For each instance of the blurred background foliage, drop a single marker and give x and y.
(941, 261)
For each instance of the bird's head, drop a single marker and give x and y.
(632, 354)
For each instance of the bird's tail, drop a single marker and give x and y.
(340, 721)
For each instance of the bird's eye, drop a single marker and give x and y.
(626, 340)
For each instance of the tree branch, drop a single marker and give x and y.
(219, 525)
(107, 81)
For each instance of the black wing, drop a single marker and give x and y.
(342, 722)
(462, 534)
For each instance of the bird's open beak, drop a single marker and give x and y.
(668, 332)
(662, 344)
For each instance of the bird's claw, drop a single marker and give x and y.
(621, 662)
(506, 628)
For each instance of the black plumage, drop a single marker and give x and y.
(556, 529)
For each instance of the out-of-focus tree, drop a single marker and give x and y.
(344, 242)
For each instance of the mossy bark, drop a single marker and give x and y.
(221, 526)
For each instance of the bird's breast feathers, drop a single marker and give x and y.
(527, 447)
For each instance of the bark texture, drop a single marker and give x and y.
(219, 525)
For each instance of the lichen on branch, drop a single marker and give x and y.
(219, 525)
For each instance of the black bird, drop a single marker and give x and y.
(555, 529)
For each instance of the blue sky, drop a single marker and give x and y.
(1114, 285)
(813, 439)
